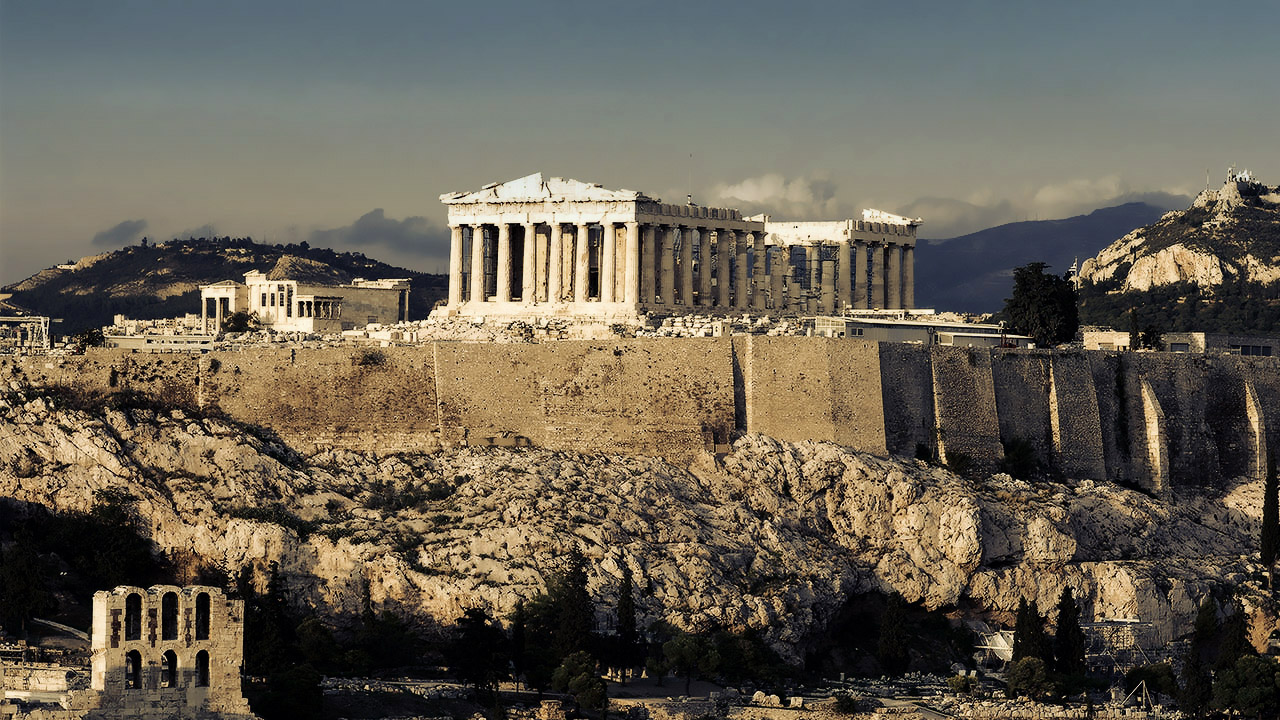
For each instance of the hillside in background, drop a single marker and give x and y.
(974, 272)
(1213, 267)
(164, 280)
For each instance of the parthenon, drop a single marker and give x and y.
(540, 246)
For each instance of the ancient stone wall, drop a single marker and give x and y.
(964, 401)
(815, 388)
(1087, 413)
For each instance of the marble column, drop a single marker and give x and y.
(894, 299)
(667, 232)
(724, 248)
(528, 280)
(705, 261)
(608, 255)
(909, 277)
(631, 274)
(741, 285)
(582, 266)
(844, 274)
(555, 258)
(504, 262)
(860, 275)
(777, 278)
(877, 276)
(828, 284)
(455, 266)
(477, 263)
(687, 236)
(648, 284)
(812, 266)
(757, 273)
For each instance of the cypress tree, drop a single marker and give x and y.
(1029, 637)
(626, 622)
(1270, 515)
(1068, 641)
(574, 613)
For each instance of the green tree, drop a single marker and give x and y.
(1250, 686)
(240, 321)
(1042, 305)
(24, 585)
(1027, 677)
(1234, 640)
(1270, 539)
(689, 654)
(573, 609)
(1029, 637)
(478, 651)
(578, 676)
(1205, 629)
(1197, 686)
(892, 643)
(626, 637)
(1068, 639)
(1158, 677)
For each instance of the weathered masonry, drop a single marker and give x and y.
(1155, 419)
(167, 651)
(536, 247)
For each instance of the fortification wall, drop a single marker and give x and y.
(906, 388)
(815, 388)
(964, 401)
(1120, 416)
(1020, 381)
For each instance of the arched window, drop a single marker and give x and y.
(133, 617)
(168, 669)
(202, 616)
(169, 616)
(132, 670)
(202, 668)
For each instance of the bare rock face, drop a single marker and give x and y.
(1227, 233)
(772, 536)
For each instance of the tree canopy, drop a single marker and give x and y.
(1043, 305)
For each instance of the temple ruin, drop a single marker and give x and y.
(554, 247)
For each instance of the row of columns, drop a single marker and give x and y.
(657, 268)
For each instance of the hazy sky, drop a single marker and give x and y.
(342, 123)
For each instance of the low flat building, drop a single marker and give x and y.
(918, 328)
(1190, 342)
(540, 247)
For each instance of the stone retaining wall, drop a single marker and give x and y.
(1088, 414)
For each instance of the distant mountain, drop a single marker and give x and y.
(974, 272)
(1214, 266)
(164, 280)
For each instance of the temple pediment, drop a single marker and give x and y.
(536, 188)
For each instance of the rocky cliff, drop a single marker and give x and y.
(772, 535)
(1226, 244)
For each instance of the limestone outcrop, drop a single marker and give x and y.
(771, 535)
(1227, 234)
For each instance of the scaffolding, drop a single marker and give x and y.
(24, 332)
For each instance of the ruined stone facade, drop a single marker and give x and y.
(553, 247)
(167, 651)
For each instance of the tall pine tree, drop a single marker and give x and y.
(627, 655)
(1029, 637)
(1270, 514)
(1068, 640)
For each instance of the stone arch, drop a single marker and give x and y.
(202, 668)
(169, 616)
(133, 670)
(133, 617)
(169, 669)
(202, 616)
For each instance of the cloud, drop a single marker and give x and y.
(802, 198)
(123, 234)
(413, 235)
(206, 230)
(950, 217)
